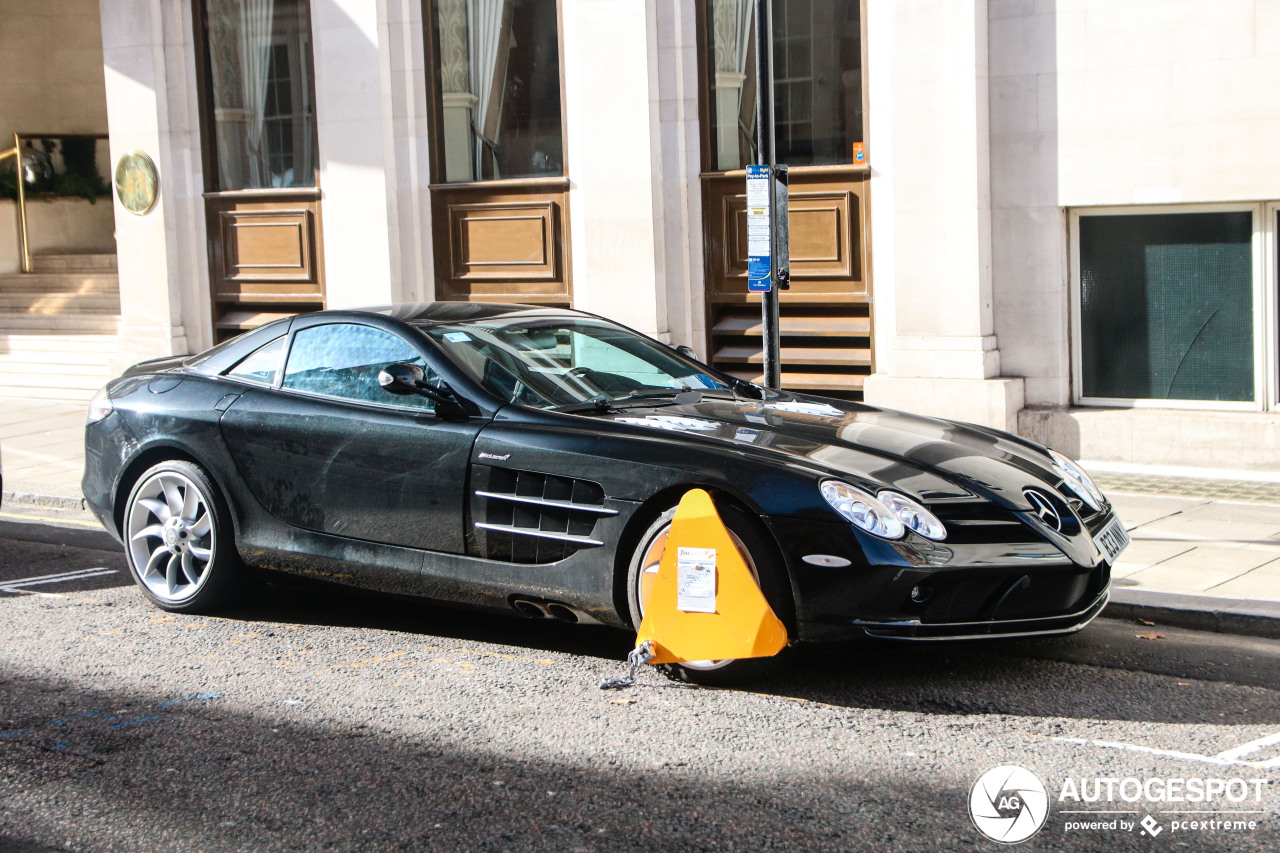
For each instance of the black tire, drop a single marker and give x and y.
(180, 543)
(760, 555)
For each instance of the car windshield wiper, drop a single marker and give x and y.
(636, 400)
(599, 404)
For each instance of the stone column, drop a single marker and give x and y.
(372, 140)
(632, 158)
(149, 68)
(929, 141)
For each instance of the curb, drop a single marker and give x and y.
(1246, 617)
(21, 498)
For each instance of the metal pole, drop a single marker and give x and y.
(24, 246)
(766, 155)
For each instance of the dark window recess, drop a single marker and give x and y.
(498, 67)
(1166, 306)
(817, 67)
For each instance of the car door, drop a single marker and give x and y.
(325, 448)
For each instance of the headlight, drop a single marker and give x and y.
(913, 515)
(99, 407)
(1078, 481)
(887, 514)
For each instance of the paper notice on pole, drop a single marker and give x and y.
(757, 186)
(759, 230)
(696, 580)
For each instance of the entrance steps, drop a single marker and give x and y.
(58, 327)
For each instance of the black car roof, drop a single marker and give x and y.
(227, 353)
(431, 313)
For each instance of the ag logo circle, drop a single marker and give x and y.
(1008, 804)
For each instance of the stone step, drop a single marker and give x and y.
(59, 303)
(48, 392)
(63, 379)
(62, 282)
(58, 324)
(74, 262)
(76, 346)
(55, 358)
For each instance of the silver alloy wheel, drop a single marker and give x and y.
(649, 569)
(170, 533)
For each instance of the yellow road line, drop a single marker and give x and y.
(49, 518)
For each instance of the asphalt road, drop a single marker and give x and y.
(322, 720)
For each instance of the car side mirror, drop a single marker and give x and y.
(405, 378)
(401, 378)
(687, 351)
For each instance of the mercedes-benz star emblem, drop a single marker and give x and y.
(1043, 509)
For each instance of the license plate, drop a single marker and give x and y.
(1112, 540)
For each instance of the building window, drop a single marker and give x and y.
(260, 78)
(498, 72)
(817, 67)
(1167, 307)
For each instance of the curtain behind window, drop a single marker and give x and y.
(253, 46)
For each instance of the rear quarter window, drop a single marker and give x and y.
(262, 365)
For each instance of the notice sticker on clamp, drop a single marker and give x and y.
(696, 580)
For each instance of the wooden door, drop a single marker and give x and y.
(502, 241)
(255, 91)
(825, 315)
(264, 258)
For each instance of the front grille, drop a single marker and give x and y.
(963, 601)
(1010, 596)
(1083, 511)
(530, 517)
(981, 523)
(1043, 595)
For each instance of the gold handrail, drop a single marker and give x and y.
(23, 246)
(24, 241)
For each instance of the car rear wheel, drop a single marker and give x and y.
(756, 552)
(179, 541)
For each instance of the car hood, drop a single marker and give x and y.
(930, 458)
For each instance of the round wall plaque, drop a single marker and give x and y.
(137, 182)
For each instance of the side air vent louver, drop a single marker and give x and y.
(527, 517)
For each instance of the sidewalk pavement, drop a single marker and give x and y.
(1205, 553)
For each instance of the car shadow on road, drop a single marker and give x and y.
(1092, 675)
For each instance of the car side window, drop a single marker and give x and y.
(344, 359)
(262, 365)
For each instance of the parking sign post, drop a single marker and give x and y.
(769, 271)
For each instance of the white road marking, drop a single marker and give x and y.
(1231, 757)
(57, 575)
(20, 584)
(1250, 747)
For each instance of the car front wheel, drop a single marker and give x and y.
(756, 552)
(179, 541)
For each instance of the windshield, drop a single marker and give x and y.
(554, 362)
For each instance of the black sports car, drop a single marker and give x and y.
(509, 457)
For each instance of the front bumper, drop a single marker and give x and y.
(913, 629)
(926, 591)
